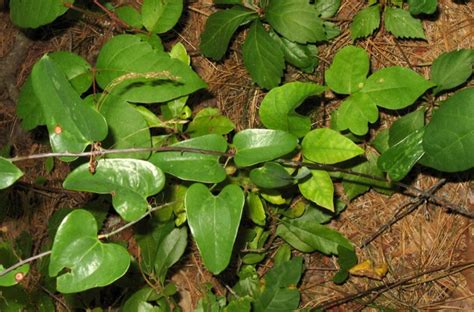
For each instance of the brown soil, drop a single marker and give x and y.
(428, 238)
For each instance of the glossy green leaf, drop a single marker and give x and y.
(130, 16)
(194, 166)
(277, 110)
(159, 16)
(402, 25)
(405, 125)
(318, 189)
(395, 87)
(271, 175)
(255, 209)
(253, 146)
(35, 13)
(71, 124)
(9, 173)
(296, 20)
(263, 57)
(310, 236)
(129, 181)
(356, 112)
(78, 71)
(327, 146)
(219, 29)
(214, 222)
(422, 6)
(327, 8)
(452, 69)
(449, 137)
(348, 71)
(209, 120)
(89, 262)
(163, 78)
(365, 22)
(398, 160)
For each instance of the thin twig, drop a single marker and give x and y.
(25, 261)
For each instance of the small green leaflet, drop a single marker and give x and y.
(9, 279)
(319, 189)
(130, 15)
(35, 13)
(219, 29)
(449, 137)
(296, 20)
(159, 16)
(356, 112)
(327, 8)
(214, 222)
(89, 262)
(277, 110)
(402, 25)
(9, 173)
(209, 120)
(263, 57)
(422, 6)
(140, 301)
(271, 175)
(365, 22)
(129, 181)
(255, 209)
(452, 69)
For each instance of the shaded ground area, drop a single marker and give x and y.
(430, 237)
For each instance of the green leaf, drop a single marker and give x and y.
(380, 142)
(319, 189)
(271, 175)
(89, 262)
(9, 173)
(35, 13)
(127, 127)
(402, 25)
(296, 20)
(331, 30)
(71, 124)
(209, 120)
(452, 69)
(327, 8)
(9, 257)
(219, 29)
(263, 57)
(327, 146)
(347, 259)
(29, 108)
(130, 16)
(132, 54)
(159, 16)
(395, 87)
(194, 166)
(356, 112)
(178, 51)
(348, 70)
(255, 209)
(365, 22)
(129, 181)
(139, 301)
(277, 110)
(14, 299)
(214, 222)
(405, 125)
(422, 6)
(449, 137)
(398, 160)
(309, 236)
(253, 146)
(78, 71)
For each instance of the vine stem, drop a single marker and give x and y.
(102, 236)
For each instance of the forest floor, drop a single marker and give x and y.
(430, 239)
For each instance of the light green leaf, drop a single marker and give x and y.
(253, 146)
(449, 137)
(296, 20)
(327, 8)
(327, 146)
(71, 124)
(452, 69)
(178, 51)
(214, 222)
(219, 29)
(130, 16)
(194, 166)
(89, 262)
(9, 173)
(139, 301)
(402, 25)
(126, 56)
(263, 57)
(35, 13)
(319, 189)
(398, 160)
(129, 181)
(209, 120)
(348, 71)
(422, 6)
(271, 175)
(395, 87)
(159, 16)
(277, 110)
(78, 71)
(255, 209)
(9, 279)
(356, 112)
(405, 125)
(365, 22)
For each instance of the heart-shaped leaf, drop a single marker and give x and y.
(255, 146)
(35, 13)
(194, 166)
(9, 173)
(129, 181)
(277, 110)
(91, 263)
(214, 222)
